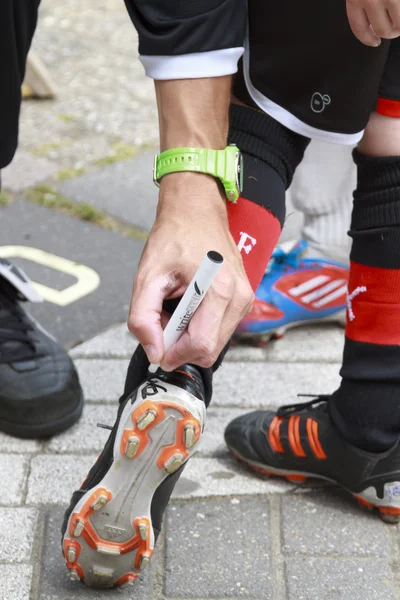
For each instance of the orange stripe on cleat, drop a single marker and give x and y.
(364, 503)
(185, 373)
(294, 436)
(313, 439)
(127, 579)
(274, 435)
(296, 478)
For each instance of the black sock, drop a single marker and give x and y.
(366, 407)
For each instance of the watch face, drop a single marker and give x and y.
(239, 171)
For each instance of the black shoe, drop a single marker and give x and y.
(112, 524)
(300, 441)
(40, 394)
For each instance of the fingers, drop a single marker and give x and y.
(371, 20)
(394, 13)
(211, 327)
(380, 20)
(360, 25)
(145, 315)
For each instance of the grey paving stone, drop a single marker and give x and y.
(313, 343)
(85, 436)
(219, 549)
(258, 385)
(102, 380)
(53, 478)
(308, 343)
(27, 171)
(116, 342)
(204, 477)
(339, 579)
(15, 582)
(13, 470)
(8, 443)
(17, 528)
(125, 190)
(56, 584)
(243, 385)
(332, 524)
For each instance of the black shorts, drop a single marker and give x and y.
(17, 25)
(304, 66)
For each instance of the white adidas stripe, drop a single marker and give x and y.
(336, 294)
(309, 285)
(323, 291)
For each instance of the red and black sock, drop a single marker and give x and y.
(271, 154)
(366, 407)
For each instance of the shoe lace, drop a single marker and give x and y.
(152, 388)
(288, 409)
(282, 260)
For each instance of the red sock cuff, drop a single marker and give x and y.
(373, 305)
(256, 232)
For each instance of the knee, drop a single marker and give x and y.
(381, 136)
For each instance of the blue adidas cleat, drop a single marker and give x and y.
(295, 291)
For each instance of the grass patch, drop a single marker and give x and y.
(43, 149)
(66, 118)
(65, 174)
(120, 151)
(4, 199)
(49, 198)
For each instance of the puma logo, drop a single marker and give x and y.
(319, 102)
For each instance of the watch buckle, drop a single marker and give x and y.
(155, 180)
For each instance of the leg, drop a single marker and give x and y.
(351, 437)
(17, 25)
(322, 191)
(366, 407)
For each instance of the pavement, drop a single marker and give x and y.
(227, 533)
(77, 207)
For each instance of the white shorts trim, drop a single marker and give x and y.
(286, 118)
(215, 63)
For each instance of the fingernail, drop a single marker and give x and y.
(378, 42)
(151, 353)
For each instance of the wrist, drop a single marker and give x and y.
(191, 192)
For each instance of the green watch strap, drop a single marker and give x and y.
(223, 164)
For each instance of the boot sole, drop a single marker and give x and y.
(388, 507)
(109, 538)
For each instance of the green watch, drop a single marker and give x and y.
(226, 165)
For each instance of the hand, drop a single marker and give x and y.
(191, 220)
(372, 20)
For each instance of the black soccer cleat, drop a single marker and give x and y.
(300, 441)
(40, 394)
(113, 521)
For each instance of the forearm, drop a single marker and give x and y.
(193, 112)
